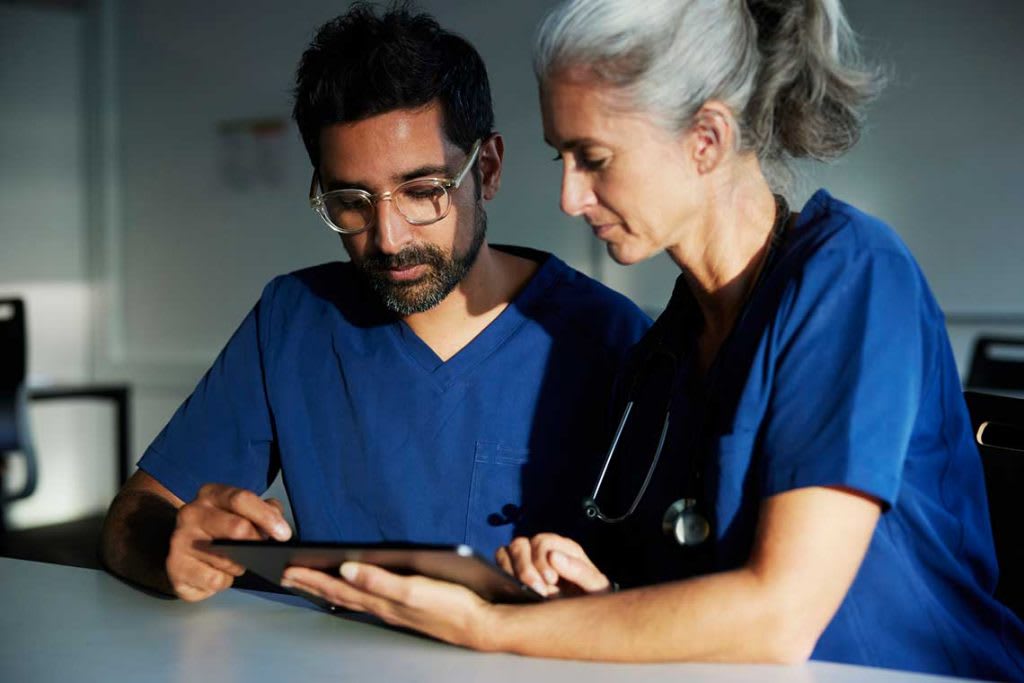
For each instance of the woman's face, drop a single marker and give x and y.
(633, 181)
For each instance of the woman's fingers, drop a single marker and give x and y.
(543, 545)
(520, 554)
(503, 560)
(327, 587)
(551, 565)
(579, 571)
(533, 561)
(538, 545)
(443, 610)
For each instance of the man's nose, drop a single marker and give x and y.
(391, 231)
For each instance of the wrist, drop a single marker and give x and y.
(491, 630)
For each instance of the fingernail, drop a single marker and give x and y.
(287, 583)
(551, 576)
(348, 571)
(558, 559)
(282, 531)
(540, 588)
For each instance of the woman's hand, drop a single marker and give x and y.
(446, 611)
(552, 565)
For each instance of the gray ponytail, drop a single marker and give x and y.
(787, 69)
(811, 85)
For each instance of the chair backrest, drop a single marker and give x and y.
(12, 344)
(14, 436)
(12, 369)
(998, 423)
(997, 363)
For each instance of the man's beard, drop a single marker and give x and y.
(444, 272)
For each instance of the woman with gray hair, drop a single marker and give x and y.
(793, 474)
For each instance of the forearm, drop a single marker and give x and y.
(136, 538)
(732, 616)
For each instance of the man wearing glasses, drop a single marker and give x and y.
(434, 389)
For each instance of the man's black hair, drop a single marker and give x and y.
(360, 65)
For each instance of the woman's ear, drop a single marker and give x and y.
(492, 151)
(713, 135)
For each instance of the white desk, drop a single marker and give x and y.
(75, 625)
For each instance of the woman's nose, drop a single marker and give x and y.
(577, 194)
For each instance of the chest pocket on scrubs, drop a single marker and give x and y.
(495, 495)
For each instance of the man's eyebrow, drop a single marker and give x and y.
(329, 185)
(426, 171)
(432, 171)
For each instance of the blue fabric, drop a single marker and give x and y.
(378, 439)
(839, 373)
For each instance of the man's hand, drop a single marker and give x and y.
(222, 512)
(552, 565)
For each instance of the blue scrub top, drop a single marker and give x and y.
(378, 439)
(839, 373)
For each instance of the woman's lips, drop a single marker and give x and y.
(601, 231)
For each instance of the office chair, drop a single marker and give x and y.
(73, 542)
(998, 423)
(15, 437)
(997, 363)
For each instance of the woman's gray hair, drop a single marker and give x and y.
(787, 69)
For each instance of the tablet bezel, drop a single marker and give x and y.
(457, 563)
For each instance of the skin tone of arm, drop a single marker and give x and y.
(809, 545)
(151, 537)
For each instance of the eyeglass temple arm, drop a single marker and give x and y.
(313, 186)
(469, 164)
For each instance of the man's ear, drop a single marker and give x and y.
(713, 135)
(492, 151)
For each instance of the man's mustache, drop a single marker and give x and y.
(414, 256)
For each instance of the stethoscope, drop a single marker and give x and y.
(682, 521)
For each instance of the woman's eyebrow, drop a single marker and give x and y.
(575, 143)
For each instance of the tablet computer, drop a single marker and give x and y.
(455, 563)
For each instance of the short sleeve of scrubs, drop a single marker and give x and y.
(848, 364)
(224, 429)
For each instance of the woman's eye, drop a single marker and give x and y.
(586, 163)
(593, 164)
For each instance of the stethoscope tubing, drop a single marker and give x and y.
(595, 511)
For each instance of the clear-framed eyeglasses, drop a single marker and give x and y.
(420, 201)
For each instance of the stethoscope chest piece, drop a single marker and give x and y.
(683, 523)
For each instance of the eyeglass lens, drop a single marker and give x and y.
(419, 201)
